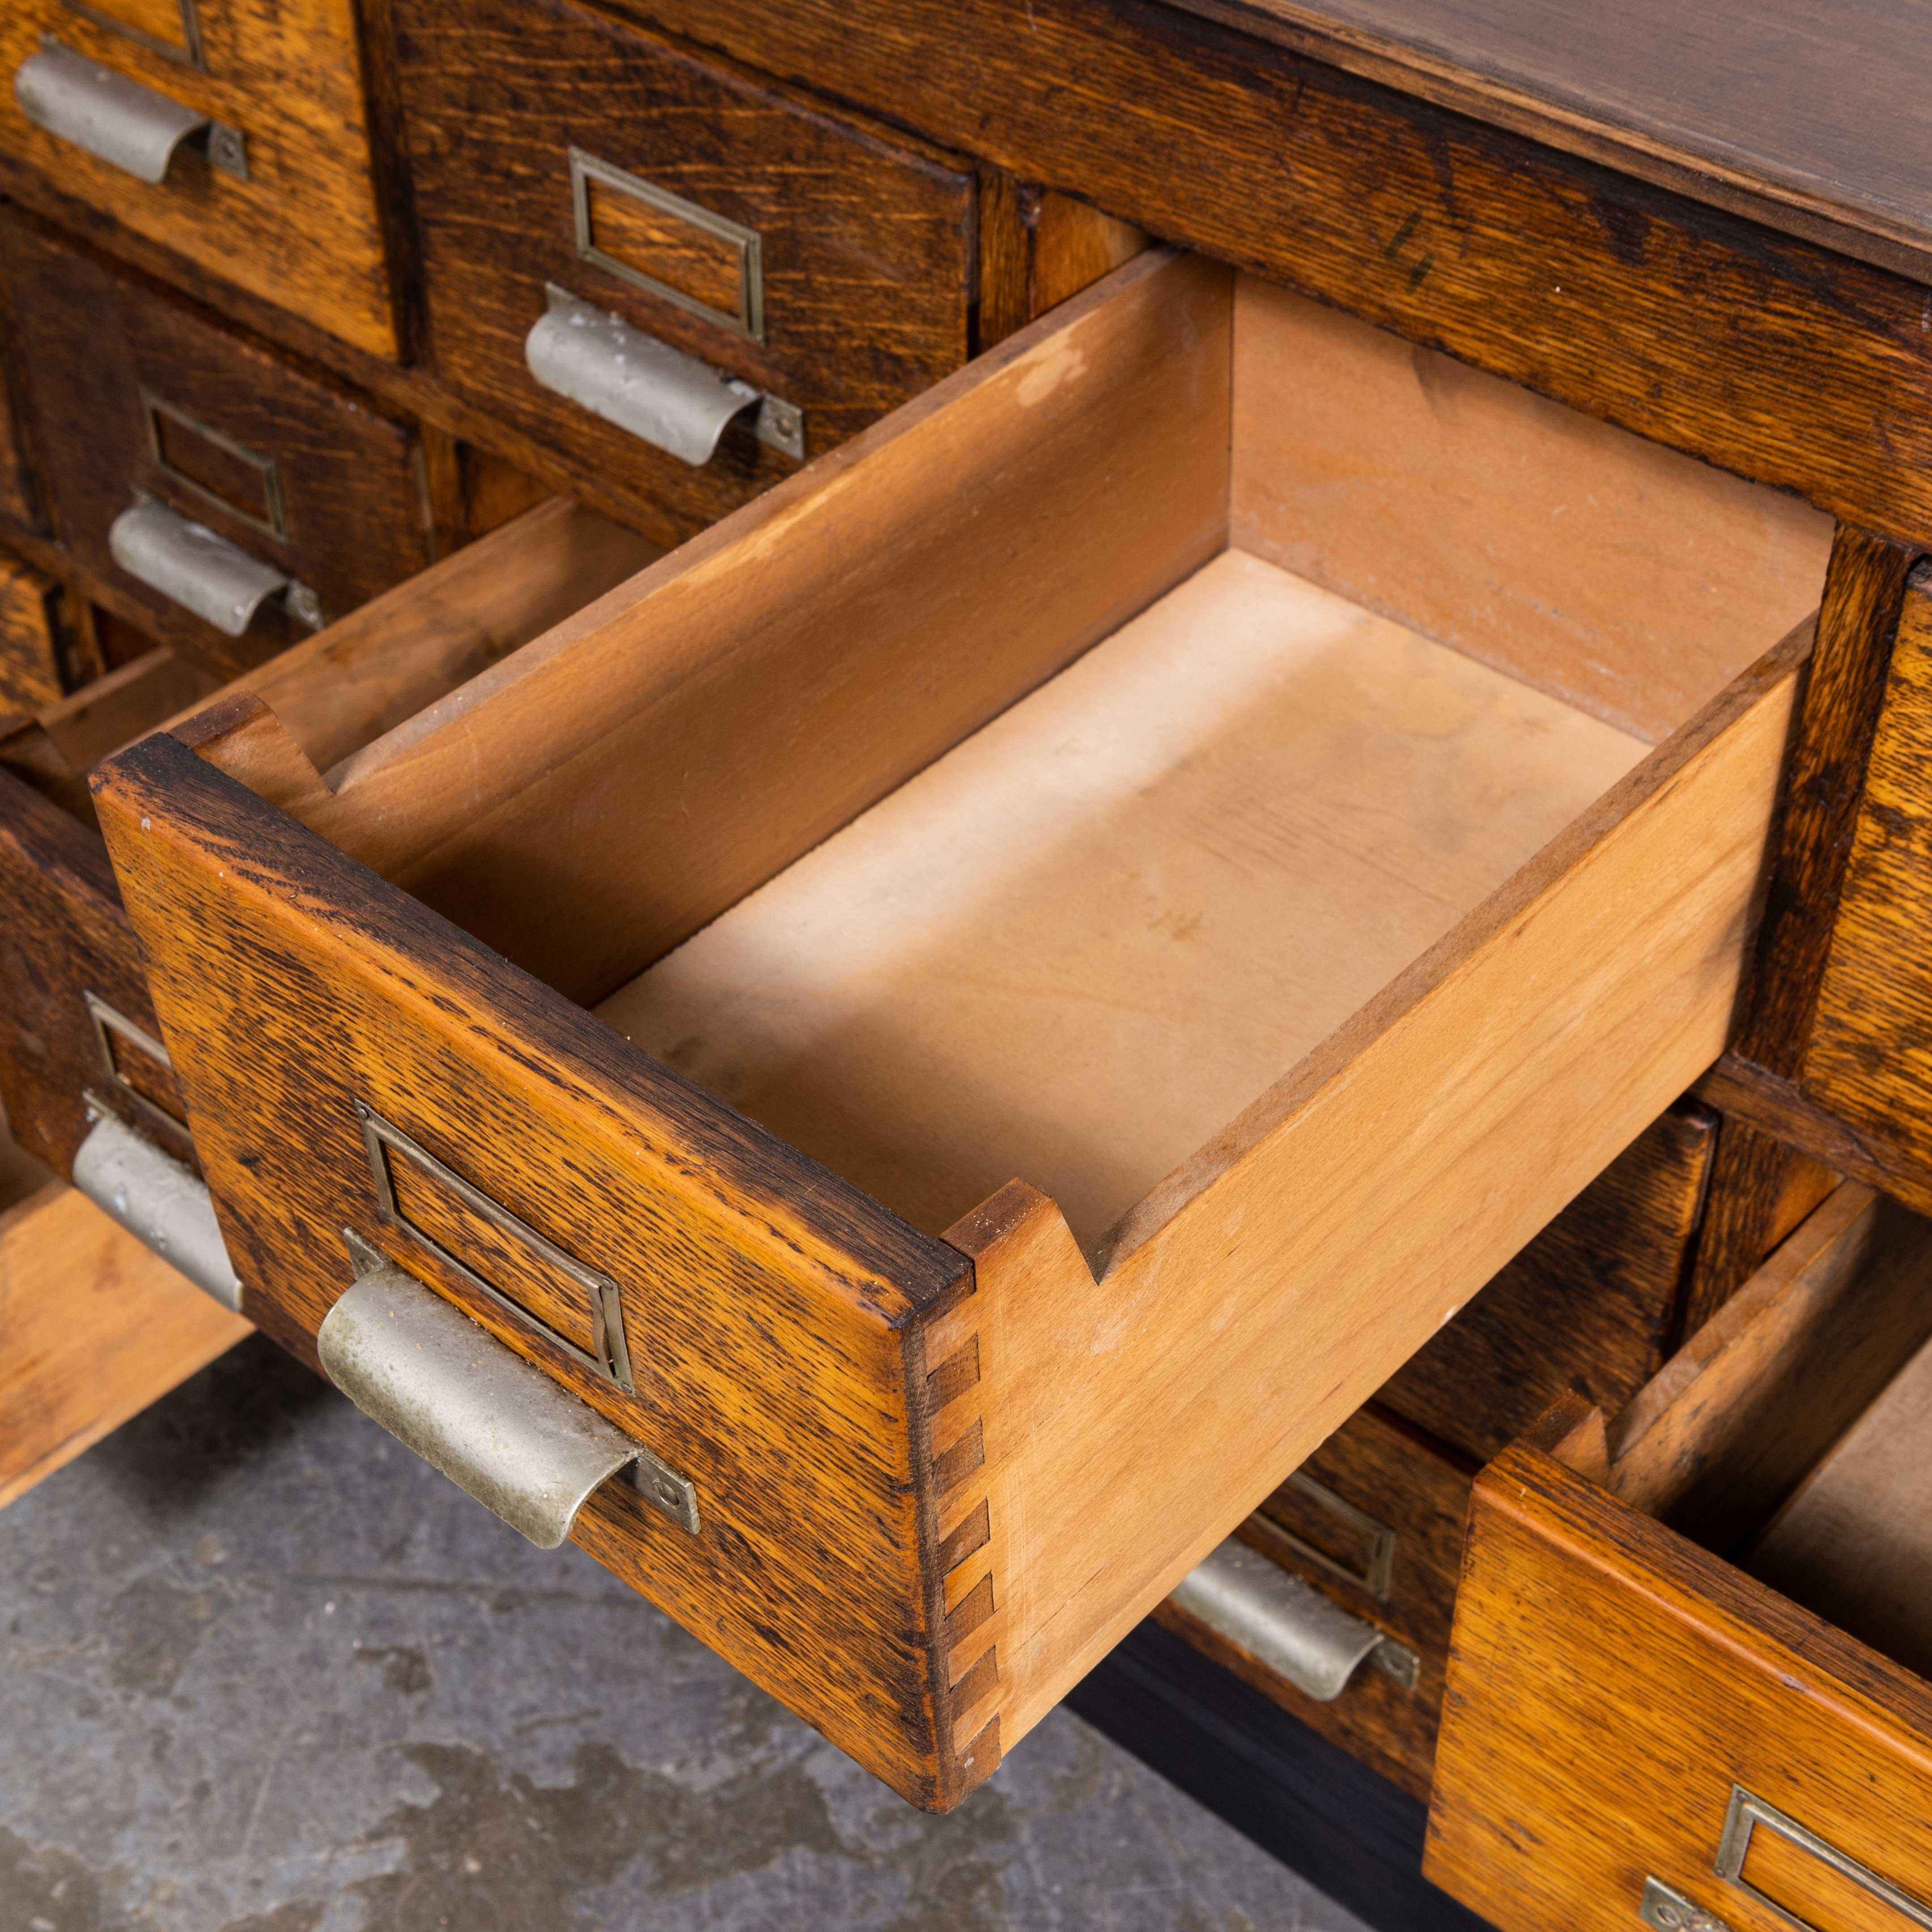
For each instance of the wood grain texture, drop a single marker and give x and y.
(1691, 326)
(1412, 1485)
(1301, 1276)
(355, 519)
(384, 663)
(768, 1303)
(762, 685)
(64, 935)
(1621, 578)
(31, 652)
(868, 238)
(19, 489)
(1718, 1440)
(1819, 815)
(1760, 1190)
(1590, 1305)
(1711, 104)
(303, 230)
(93, 1328)
(1036, 249)
(1869, 1061)
(1608, 1684)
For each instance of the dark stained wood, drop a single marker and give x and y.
(64, 934)
(1806, 117)
(1036, 249)
(772, 1306)
(1421, 1490)
(303, 229)
(20, 493)
(867, 241)
(354, 517)
(1760, 1189)
(1824, 772)
(31, 650)
(1780, 1109)
(1689, 325)
(1869, 1059)
(1608, 1684)
(1590, 1305)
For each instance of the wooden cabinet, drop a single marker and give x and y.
(267, 184)
(699, 978)
(1639, 1727)
(136, 397)
(828, 264)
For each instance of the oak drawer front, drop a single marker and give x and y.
(855, 964)
(20, 499)
(135, 400)
(1870, 1058)
(828, 265)
(267, 185)
(1374, 1520)
(1626, 1709)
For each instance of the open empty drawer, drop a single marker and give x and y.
(1688, 1682)
(974, 1012)
(81, 1067)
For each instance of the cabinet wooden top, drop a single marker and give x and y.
(1808, 114)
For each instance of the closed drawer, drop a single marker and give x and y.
(1640, 1726)
(1869, 1061)
(1303, 960)
(826, 264)
(231, 131)
(137, 400)
(93, 1326)
(1370, 1525)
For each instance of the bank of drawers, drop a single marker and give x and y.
(267, 184)
(1638, 1730)
(827, 265)
(131, 397)
(910, 1442)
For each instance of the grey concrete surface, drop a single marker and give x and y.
(262, 1671)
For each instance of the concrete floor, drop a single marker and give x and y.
(262, 1671)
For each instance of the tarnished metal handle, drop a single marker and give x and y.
(191, 565)
(118, 120)
(158, 1202)
(498, 1427)
(672, 400)
(1287, 1624)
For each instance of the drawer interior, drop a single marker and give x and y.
(1198, 681)
(1789, 1434)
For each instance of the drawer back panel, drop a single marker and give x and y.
(132, 391)
(765, 1304)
